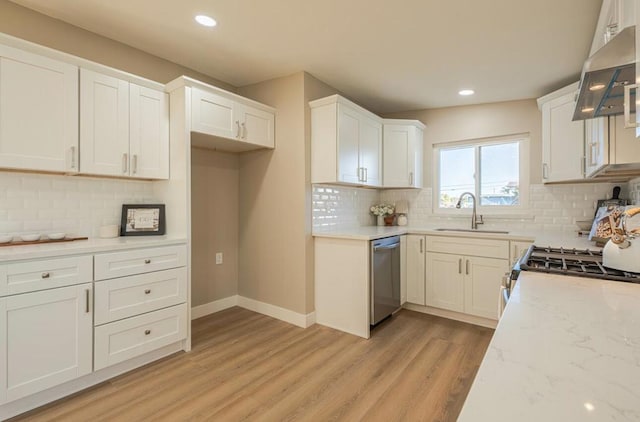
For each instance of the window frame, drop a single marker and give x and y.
(487, 210)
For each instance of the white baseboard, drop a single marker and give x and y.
(268, 309)
(213, 307)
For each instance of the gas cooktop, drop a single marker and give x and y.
(575, 262)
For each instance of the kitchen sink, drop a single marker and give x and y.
(473, 231)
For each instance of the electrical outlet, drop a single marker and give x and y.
(219, 258)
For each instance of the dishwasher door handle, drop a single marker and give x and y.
(385, 247)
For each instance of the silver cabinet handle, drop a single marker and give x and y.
(244, 131)
(86, 300)
(410, 178)
(73, 157)
(360, 173)
(147, 291)
(147, 332)
(366, 174)
(593, 151)
(125, 162)
(628, 124)
(466, 265)
(460, 266)
(45, 275)
(421, 241)
(147, 261)
(238, 128)
(134, 165)
(583, 165)
(545, 171)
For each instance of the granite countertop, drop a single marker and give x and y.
(566, 349)
(92, 245)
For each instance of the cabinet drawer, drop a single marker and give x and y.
(135, 336)
(23, 277)
(129, 296)
(139, 261)
(489, 248)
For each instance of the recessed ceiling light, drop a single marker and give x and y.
(587, 109)
(596, 87)
(466, 92)
(205, 20)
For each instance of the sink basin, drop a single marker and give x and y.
(473, 231)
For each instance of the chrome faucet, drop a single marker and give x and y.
(474, 220)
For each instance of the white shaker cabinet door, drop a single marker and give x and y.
(562, 141)
(416, 269)
(371, 151)
(397, 155)
(349, 170)
(45, 339)
(445, 281)
(38, 112)
(214, 115)
(256, 126)
(149, 133)
(483, 278)
(104, 124)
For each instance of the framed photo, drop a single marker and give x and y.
(142, 220)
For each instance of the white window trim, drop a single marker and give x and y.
(521, 210)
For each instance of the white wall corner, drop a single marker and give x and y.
(213, 307)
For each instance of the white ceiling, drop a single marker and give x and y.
(386, 55)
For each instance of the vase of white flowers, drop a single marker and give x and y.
(381, 211)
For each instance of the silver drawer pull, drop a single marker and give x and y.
(46, 275)
(147, 261)
(147, 291)
(147, 332)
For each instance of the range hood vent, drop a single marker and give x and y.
(604, 76)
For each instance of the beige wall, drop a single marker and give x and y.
(32, 26)
(214, 225)
(272, 203)
(481, 121)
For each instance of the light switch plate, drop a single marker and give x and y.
(218, 258)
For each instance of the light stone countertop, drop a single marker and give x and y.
(92, 245)
(540, 238)
(566, 349)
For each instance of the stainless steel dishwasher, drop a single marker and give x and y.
(385, 278)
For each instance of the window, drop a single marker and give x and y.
(494, 171)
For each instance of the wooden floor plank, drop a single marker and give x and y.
(246, 366)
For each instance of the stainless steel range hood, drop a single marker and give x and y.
(604, 76)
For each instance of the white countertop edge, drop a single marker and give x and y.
(78, 247)
(378, 232)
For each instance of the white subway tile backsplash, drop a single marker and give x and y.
(71, 204)
(551, 207)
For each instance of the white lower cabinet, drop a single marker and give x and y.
(131, 337)
(415, 259)
(46, 339)
(440, 278)
(445, 281)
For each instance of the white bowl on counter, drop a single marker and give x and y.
(56, 236)
(5, 238)
(30, 237)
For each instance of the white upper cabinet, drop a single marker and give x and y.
(104, 124)
(224, 115)
(615, 15)
(596, 144)
(346, 143)
(256, 126)
(38, 112)
(562, 139)
(149, 132)
(124, 128)
(403, 146)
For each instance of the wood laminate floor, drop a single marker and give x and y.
(247, 366)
